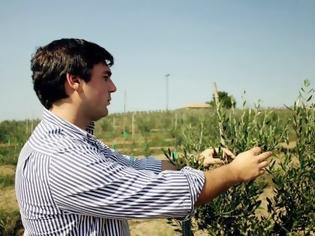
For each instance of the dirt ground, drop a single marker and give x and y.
(157, 227)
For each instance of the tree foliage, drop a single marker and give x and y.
(240, 210)
(227, 101)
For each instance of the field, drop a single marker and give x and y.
(279, 203)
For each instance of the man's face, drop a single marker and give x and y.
(97, 92)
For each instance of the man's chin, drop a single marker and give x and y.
(105, 113)
(100, 115)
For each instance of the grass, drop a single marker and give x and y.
(7, 175)
(8, 203)
(10, 221)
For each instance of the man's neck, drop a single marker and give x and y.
(70, 114)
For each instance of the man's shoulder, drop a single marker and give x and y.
(54, 139)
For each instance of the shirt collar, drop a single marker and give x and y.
(66, 126)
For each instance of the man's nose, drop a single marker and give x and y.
(112, 87)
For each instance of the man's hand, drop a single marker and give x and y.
(209, 156)
(245, 167)
(250, 164)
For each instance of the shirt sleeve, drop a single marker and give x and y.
(148, 163)
(91, 183)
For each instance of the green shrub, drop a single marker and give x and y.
(292, 209)
(6, 180)
(10, 223)
(9, 154)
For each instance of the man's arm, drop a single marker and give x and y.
(139, 164)
(245, 167)
(98, 185)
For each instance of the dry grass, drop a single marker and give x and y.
(7, 170)
(157, 227)
(8, 201)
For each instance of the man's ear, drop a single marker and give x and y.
(72, 82)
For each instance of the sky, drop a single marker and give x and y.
(266, 48)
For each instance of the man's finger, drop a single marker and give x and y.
(263, 164)
(217, 161)
(207, 152)
(256, 150)
(213, 161)
(264, 156)
(227, 152)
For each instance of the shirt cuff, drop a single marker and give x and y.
(196, 180)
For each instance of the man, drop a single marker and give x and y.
(70, 183)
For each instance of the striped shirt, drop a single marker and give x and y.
(70, 183)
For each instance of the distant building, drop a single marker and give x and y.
(196, 106)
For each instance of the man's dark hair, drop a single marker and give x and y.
(51, 63)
